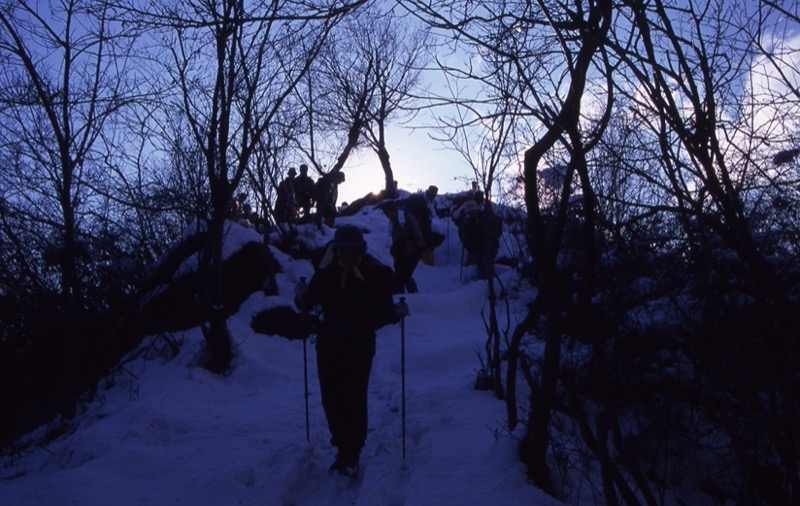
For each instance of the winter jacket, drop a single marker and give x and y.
(304, 190)
(463, 210)
(407, 236)
(326, 194)
(354, 304)
(285, 203)
(423, 209)
(477, 225)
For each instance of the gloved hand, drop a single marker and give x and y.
(401, 309)
(300, 293)
(301, 288)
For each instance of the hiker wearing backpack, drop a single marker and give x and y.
(285, 202)
(421, 206)
(460, 199)
(235, 208)
(466, 218)
(354, 292)
(326, 193)
(407, 246)
(479, 230)
(304, 190)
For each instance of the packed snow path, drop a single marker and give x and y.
(164, 431)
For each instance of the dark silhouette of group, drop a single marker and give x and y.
(297, 195)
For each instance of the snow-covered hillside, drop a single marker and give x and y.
(164, 431)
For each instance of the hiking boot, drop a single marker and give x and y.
(346, 464)
(351, 472)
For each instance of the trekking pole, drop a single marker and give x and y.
(403, 374)
(305, 376)
(461, 266)
(448, 239)
(304, 330)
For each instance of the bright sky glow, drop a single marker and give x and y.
(417, 162)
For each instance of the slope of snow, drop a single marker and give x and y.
(164, 431)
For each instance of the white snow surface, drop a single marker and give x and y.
(164, 431)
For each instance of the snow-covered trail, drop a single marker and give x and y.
(163, 431)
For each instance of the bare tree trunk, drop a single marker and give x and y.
(383, 156)
(544, 247)
(353, 134)
(70, 294)
(211, 293)
(494, 356)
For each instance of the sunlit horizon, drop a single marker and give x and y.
(417, 162)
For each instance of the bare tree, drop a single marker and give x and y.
(696, 91)
(335, 96)
(364, 81)
(63, 82)
(398, 53)
(535, 50)
(258, 53)
(485, 135)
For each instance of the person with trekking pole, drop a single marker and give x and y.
(402, 311)
(354, 293)
(299, 292)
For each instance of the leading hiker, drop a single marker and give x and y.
(355, 294)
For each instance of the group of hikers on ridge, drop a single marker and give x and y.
(297, 194)
(351, 292)
(295, 197)
(410, 221)
(414, 240)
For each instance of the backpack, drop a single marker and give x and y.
(322, 190)
(304, 189)
(472, 230)
(417, 206)
(474, 226)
